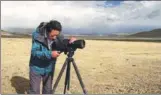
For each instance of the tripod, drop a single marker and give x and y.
(67, 63)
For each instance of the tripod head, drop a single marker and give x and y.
(70, 52)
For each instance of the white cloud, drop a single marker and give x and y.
(81, 14)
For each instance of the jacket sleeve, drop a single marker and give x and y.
(35, 52)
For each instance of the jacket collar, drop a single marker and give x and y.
(41, 36)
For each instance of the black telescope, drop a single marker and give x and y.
(65, 46)
(80, 44)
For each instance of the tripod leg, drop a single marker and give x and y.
(59, 76)
(79, 77)
(69, 75)
(66, 77)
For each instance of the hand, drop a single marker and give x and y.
(55, 54)
(72, 39)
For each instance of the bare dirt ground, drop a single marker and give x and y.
(105, 66)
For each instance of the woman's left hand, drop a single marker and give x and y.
(72, 39)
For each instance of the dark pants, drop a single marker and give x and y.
(35, 80)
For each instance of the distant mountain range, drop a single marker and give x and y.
(153, 33)
(13, 34)
(27, 32)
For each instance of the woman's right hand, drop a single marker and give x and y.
(55, 54)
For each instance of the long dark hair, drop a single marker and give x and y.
(53, 24)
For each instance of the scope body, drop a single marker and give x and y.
(65, 46)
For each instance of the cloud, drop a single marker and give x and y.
(86, 15)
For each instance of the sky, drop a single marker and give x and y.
(84, 16)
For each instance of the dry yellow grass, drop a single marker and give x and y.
(105, 66)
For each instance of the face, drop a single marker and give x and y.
(53, 34)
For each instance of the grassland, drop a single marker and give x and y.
(106, 67)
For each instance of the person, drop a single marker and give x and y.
(43, 59)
